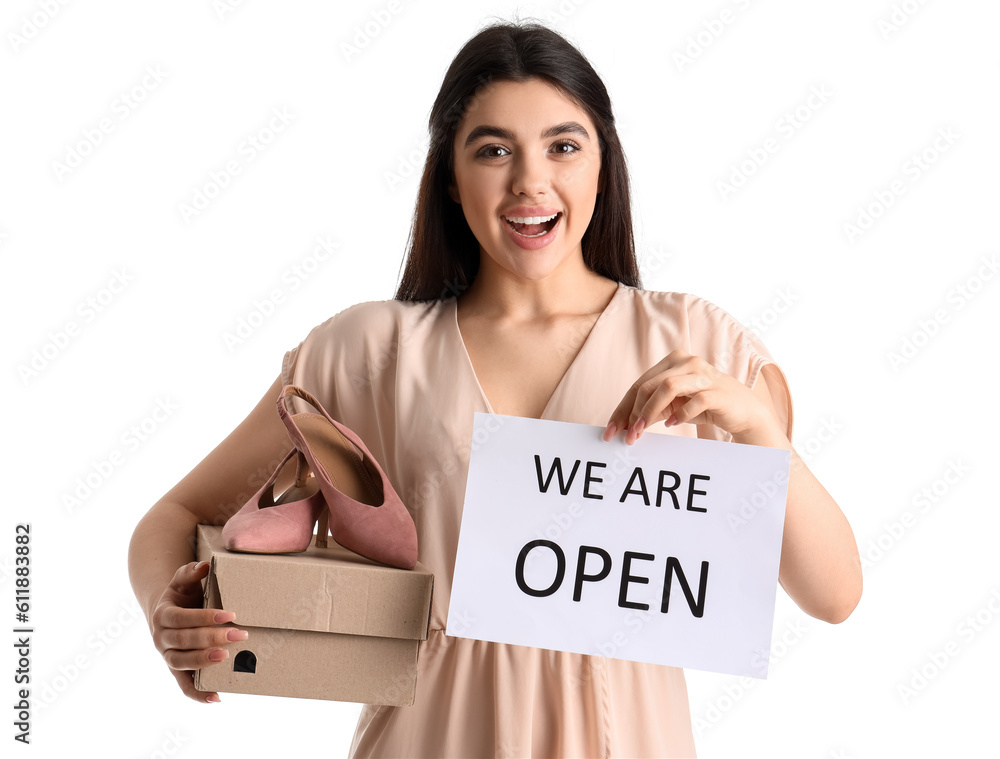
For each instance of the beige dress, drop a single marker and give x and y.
(399, 375)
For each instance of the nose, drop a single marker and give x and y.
(531, 174)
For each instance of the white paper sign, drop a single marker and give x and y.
(665, 551)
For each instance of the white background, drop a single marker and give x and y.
(875, 435)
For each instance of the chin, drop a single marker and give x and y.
(538, 269)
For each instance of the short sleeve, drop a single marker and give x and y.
(736, 350)
(309, 364)
(339, 360)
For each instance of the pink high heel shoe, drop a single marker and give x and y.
(285, 525)
(366, 514)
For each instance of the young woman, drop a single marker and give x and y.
(520, 296)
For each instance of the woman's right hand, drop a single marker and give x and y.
(185, 634)
(188, 636)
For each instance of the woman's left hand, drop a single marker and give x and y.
(686, 388)
(820, 566)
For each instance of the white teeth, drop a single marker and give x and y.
(530, 219)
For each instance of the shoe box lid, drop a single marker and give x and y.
(323, 589)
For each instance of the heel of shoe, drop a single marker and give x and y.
(323, 527)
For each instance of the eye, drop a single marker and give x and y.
(570, 144)
(484, 152)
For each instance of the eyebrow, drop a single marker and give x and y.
(487, 130)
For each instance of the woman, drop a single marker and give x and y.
(520, 296)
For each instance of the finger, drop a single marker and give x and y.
(199, 637)
(189, 573)
(186, 682)
(623, 418)
(185, 588)
(692, 410)
(615, 423)
(619, 419)
(656, 399)
(179, 617)
(186, 582)
(625, 415)
(195, 659)
(669, 395)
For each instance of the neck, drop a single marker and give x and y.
(500, 295)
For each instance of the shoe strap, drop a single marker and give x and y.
(269, 485)
(308, 397)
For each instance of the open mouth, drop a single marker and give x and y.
(535, 226)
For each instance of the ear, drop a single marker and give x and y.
(453, 192)
(600, 181)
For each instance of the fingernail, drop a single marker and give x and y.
(218, 654)
(199, 565)
(237, 635)
(610, 431)
(639, 426)
(213, 698)
(225, 616)
(671, 421)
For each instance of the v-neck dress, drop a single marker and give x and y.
(399, 375)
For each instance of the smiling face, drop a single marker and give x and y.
(527, 152)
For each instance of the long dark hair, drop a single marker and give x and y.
(443, 253)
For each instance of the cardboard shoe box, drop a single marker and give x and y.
(326, 624)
